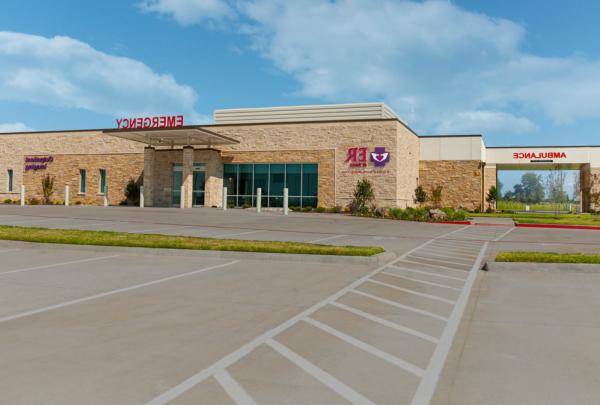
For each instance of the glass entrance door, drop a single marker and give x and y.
(199, 177)
(176, 184)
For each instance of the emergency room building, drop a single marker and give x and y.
(317, 152)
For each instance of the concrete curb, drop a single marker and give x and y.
(543, 267)
(558, 226)
(376, 260)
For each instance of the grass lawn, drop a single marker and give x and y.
(562, 219)
(548, 257)
(104, 238)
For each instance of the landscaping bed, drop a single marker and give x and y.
(548, 257)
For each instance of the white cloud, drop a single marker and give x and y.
(187, 12)
(486, 122)
(14, 127)
(64, 72)
(436, 64)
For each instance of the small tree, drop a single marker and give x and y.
(492, 196)
(47, 188)
(132, 193)
(363, 195)
(555, 184)
(436, 196)
(420, 195)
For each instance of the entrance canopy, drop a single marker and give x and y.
(171, 137)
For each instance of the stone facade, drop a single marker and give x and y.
(15, 147)
(338, 137)
(489, 180)
(461, 181)
(590, 185)
(120, 168)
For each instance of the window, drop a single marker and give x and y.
(10, 180)
(243, 180)
(82, 181)
(102, 181)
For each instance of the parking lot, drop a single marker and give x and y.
(110, 325)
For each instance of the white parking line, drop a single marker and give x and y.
(467, 265)
(239, 233)
(407, 290)
(113, 292)
(505, 233)
(47, 266)
(327, 238)
(421, 281)
(398, 362)
(442, 259)
(427, 385)
(402, 306)
(385, 322)
(321, 375)
(462, 271)
(472, 253)
(236, 355)
(429, 273)
(234, 389)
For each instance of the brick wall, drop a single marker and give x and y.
(461, 181)
(489, 180)
(65, 170)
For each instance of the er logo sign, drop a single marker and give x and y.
(357, 157)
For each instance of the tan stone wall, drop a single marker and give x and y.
(163, 175)
(65, 170)
(461, 180)
(14, 148)
(325, 159)
(407, 178)
(590, 183)
(489, 180)
(339, 136)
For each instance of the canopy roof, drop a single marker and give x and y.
(181, 136)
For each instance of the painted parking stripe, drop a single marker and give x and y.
(236, 355)
(48, 266)
(428, 383)
(421, 281)
(385, 322)
(428, 273)
(401, 306)
(439, 260)
(327, 238)
(112, 292)
(505, 233)
(454, 251)
(408, 290)
(233, 388)
(444, 259)
(415, 263)
(321, 375)
(239, 233)
(390, 358)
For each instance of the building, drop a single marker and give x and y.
(318, 152)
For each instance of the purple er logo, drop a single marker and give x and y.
(380, 157)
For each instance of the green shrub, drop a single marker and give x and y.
(78, 202)
(420, 195)
(363, 195)
(396, 213)
(246, 205)
(320, 209)
(47, 188)
(34, 201)
(308, 208)
(335, 210)
(132, 193)
(7, 201)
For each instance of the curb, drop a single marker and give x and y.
(378, 259)
(542, 267)
(451, 222)
(558, 226)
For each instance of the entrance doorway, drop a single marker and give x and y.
(199, 178)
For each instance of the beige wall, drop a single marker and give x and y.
(461, 181)
(339, 136)
(14, 148)
(120, 168)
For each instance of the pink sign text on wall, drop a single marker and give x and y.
(162, 121)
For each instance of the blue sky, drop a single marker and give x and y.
(520, 73)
